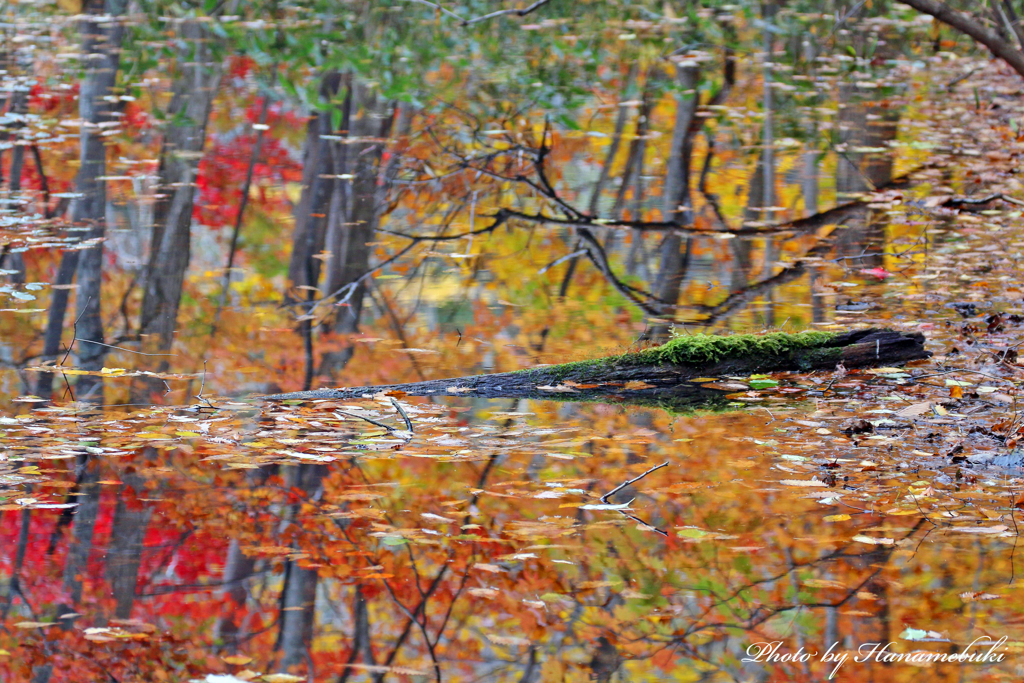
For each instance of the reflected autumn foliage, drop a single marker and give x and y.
(312, 216)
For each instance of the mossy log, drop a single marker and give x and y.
(663, 372)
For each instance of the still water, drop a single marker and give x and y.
(805, 526)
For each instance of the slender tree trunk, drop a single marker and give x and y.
(678, 204)
(768, 138)
(768, 10)
(620, 126)
(199, 72)
(299, 592)
(82, 530)
(128, 531)
(238, 568)
(314, 204)
(55, 318)
(809, 181)
(101, 42)
(371, 120)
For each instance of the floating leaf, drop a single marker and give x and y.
(971, 596)
(836, 518)
(606, 506)
(692, 533)
(873, 541)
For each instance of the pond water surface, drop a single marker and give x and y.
(809, 525)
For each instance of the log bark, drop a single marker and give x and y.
(607, 378)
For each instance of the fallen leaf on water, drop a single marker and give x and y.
(802, 482)
(880, 273)
(873, 541)
(971, 596)
(692, 533)
(915, 409)
(606, 506)
(917, 634)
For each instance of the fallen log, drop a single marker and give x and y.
(664, 373)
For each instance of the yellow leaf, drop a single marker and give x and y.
(836, 518)
(113, 371)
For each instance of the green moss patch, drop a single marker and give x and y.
(704, 349)
(700, 350)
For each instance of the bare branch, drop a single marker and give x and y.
(969, 25)
(486, 17)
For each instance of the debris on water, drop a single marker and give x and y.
(965, 309)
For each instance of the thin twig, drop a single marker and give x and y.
(121, 348)
(202, 386)
(493, 15)
(563, 259)
(401, 411)
(339, 413)
(604, 498)
(74, 338)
